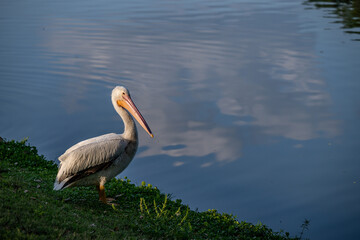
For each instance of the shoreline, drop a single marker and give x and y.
(31, 209)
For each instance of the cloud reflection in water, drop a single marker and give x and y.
(196, 92)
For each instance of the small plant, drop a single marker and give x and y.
(162, 212)
(165, 220)
(304, 226)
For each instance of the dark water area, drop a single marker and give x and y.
(254, 105)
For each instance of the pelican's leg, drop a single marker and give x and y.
(102, 195)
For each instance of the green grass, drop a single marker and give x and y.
(30, 209)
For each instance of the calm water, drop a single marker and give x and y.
(255, 105)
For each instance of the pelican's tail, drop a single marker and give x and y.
(59, 186)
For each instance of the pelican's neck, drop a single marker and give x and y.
(130, 131)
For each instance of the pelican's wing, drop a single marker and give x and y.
(90, 156)
(89, 141)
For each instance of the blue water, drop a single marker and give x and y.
(254, 105)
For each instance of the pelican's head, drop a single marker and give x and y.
(121, 97)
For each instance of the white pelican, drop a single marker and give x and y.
(96, 160)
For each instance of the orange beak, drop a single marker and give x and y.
(129, 105)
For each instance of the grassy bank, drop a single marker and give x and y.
(30, 209)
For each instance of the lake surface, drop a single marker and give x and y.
(254, 105)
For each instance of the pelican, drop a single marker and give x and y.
(96, 160)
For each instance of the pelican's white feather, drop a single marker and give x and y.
(90, 153)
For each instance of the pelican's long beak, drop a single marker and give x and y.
(129, 105)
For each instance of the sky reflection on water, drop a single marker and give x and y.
(244, 100)
(278, 97)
